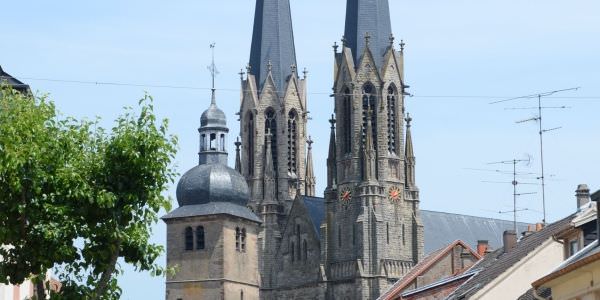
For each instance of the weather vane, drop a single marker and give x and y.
(213, 68)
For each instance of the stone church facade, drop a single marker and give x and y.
(259, 232)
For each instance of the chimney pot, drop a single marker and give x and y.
(583, 195)
(482, 247)
(509, 239)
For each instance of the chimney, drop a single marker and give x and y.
(482, 247)
(539, 227)
(509, 238)
(583, 195)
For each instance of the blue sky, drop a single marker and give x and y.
(455, 49)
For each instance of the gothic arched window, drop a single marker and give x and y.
(271, 126)
(347, 121)
(203, 142)
(189, 239)
(369, 105)
(298, 241)
(213, 141)
(392, 119)
(250, 149)
(200, 238)
(222, 142)
(293, 255)
(293, 142)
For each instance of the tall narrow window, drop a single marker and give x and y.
(222, 142)
(353, 234)
(200, 238)
(292, 141)
(292, 248)
(189, 239)
(339, 236)
(243, 240)
(369, 105)
(403, 235)
(202, 142)
(238, 234)
(271, 125)
(241, 295)
(298, 241)
(305, 246)
(387, 232)
(213, 141)
(391, 113)
(347, 121)
(250, 149)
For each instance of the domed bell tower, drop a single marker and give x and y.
(212, 238)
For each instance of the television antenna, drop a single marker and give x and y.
(541, 132)
(514, 183)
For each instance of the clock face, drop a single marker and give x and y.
(394, 194)
(345, 196)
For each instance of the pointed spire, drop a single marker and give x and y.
(213, 72)
(310, 173)
(269, 196)
(409, 156)
(238, 159)
(272, 40)
(369, 151)
(331, 158)
(372, 16)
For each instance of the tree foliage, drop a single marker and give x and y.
(77, 198)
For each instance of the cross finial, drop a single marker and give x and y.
(269, 66)
(335, 47)
(241, 73)
(332, 122)
(213, 68)
(238, 143)
(309, 142)
(408, 120)
(305, 73)
(367, 38)
(402, 44)
(392, 38)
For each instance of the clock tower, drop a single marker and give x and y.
(374, 230)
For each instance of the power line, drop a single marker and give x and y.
(237, 90)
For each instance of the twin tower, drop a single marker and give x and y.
(366, 232)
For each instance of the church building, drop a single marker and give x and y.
(259, 231)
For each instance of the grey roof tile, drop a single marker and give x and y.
(212, 208)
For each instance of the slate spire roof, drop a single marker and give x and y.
(372, 16)
(272, 42)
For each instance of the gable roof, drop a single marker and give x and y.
(13, 82)
(316, 212)
(497, 262)
(443, 228)
(440, 228)
(423, 266)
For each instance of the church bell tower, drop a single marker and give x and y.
(374, 230)
(273, 133)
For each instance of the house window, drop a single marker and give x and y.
(391, 112)
(573, 247)
(200, 238)
(189, 239)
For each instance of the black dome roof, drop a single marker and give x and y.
(210, 183)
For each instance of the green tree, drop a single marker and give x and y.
(77, 198)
